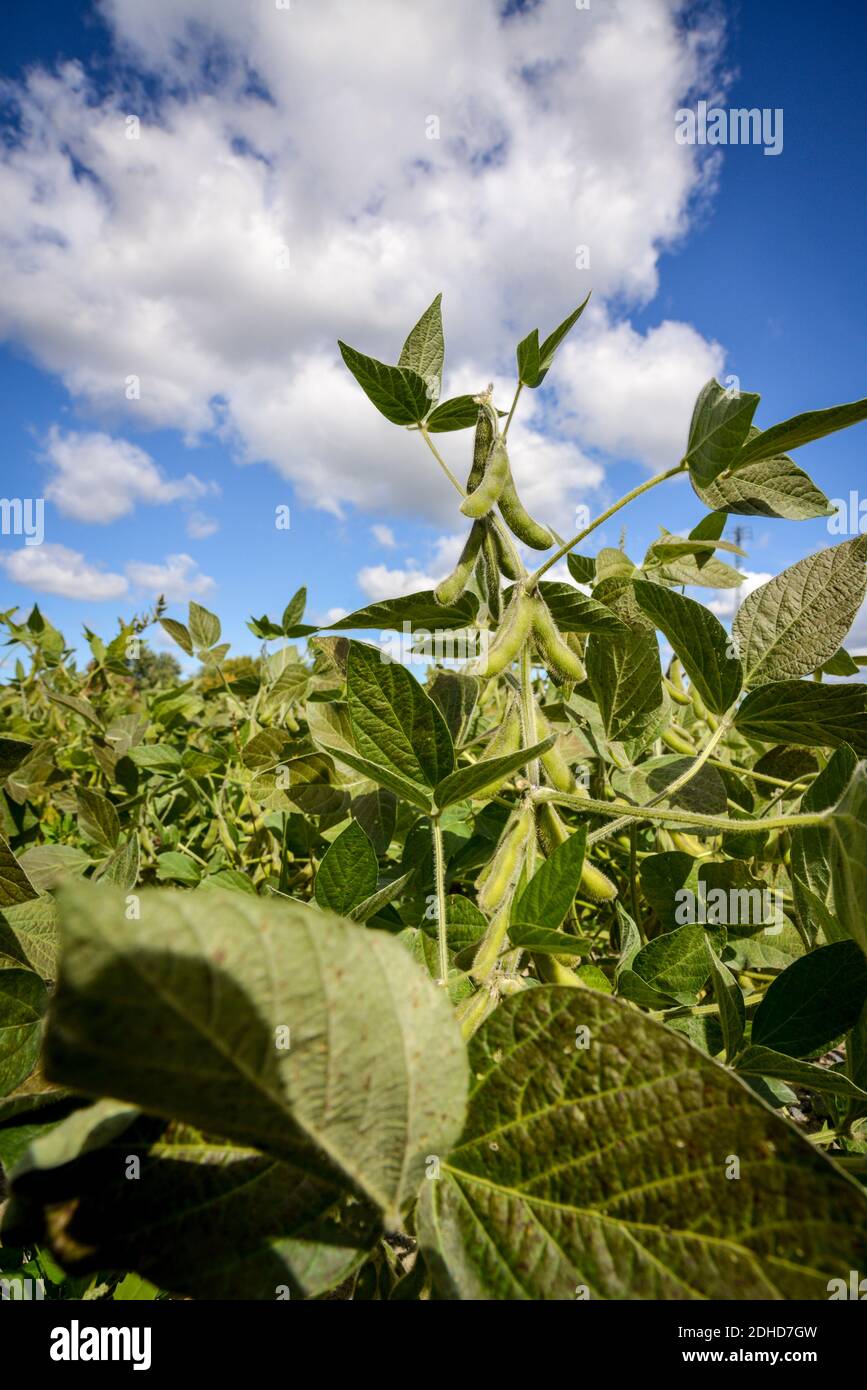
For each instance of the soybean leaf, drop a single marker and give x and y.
(413, 792)
(218, 981)
(529, 359)
(13, 752)
(23, 998)
(676, 963)
(232, 1223)
(729, 998)
(550, 893)
(773, 487)
(581, 567)
(699, 640)
(553, 341)
(573, 611)
(294, 612)
(380, 898)
(156, 757)
(626, 678)
(487, 772)
(456, 695)
(76, 703)
(720, 423)
(459, 413)
(204, 627)
(179, 632)
(766, 1061)
(801, 429)
(174, 867)
(376, 813)
(398, 393)
(424, 350)
(97, 817)
(15, 886)
(546, 941)
(28, 932)
(797, 621)
(348, 872)
(812, 847)
(47, 865)
(814, 1002)
(536, 1157)
(395, 723)
(807, 714)
(704, 792)
(420, 611)
(848, 827)
(122, 866)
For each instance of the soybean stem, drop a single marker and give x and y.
(639, 813)
(440, 882)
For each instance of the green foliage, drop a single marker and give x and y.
(496, 967)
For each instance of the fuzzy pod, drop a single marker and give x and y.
(698, 703)
(491, 944)
(675, 739)
(506, 740)
(484, 438)
(518, 519)
(688, 844)
(507, 560)
(555, 765)
(552, 972)
(451, 588)
(509, 639)
(596, 885)
(679, 697)
(550, 829)
(558, 657)
(490, 574)
(483, 498)
(472, 1012)
(507, 862)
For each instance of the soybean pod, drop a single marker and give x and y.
(484, 438)
(507, 862)
(490, 573)
(506, 558)
(511, 635)
(518, 519)
(451, 588)
(558, 657)
(485, 497)
(555, 765)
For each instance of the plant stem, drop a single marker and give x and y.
(638, 813)
(512, 411)
(502, 531)
(528, 712)
(675, 786)
(440, 883)
(629, 497)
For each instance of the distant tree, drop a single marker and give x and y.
(154, 670)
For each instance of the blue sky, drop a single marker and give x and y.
(307, 131)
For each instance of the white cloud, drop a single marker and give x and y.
(379, 582)
(178, 578)
(55, 569)
(98, 478)
(200, 526)
(109, 247)
(384, 536)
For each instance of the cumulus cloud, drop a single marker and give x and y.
(218, 255)
(200, 526)
(94, 477)
(55, 569)
(384, 536)
(725, 602)
(179, 578)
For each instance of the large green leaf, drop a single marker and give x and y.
(487, 772)
(398, 393)
(395, 723)
(424, 350)
(704, 792)
(848, 827)
(28, 932)
(720, 424)
(603, 1168)
(729, 999)
(801, 429)
(814, 1002)
(348, 873)
(699, 640)
(574, 611)
(766, 1061)
(13, 752)
(551, 891)
(97, 817)
(185, 1010)
(798, 620)
(553, 340)
(812, 846)
(676, 963)
(23, 997)
(419, 611)
(15, 886)
(204, 1219)
(626, 677)
(773, 487)
(459, 413)
(807, 714)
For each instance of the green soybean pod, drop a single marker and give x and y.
(518, 519)
(451, 588)
(506, 558)
(484, 438)
(491, 944)
(491, 574)
(677, 741)
(555, 765)
(559, 657)
(507, 862)
(483, 498)
(596, 885)
(510, 637)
